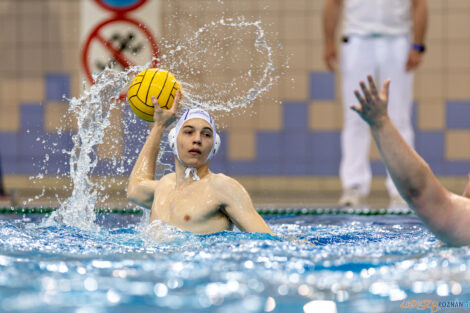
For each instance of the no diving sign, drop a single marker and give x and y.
(119, 33)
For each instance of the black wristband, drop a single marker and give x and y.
(418, 47)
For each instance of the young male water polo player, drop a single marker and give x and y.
(192, 198)
(446, 214)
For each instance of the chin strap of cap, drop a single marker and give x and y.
(191, 170)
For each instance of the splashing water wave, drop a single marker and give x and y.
(210, 52)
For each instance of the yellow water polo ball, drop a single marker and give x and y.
(152, 82)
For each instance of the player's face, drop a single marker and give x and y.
(195, 141)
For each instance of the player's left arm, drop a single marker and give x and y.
(239, 207)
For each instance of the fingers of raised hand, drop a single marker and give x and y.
(360, 98)
(365, 91)
(385, 89)
(154, 101)
(357, 109)
(177, 102)
(373, 88)
(156, 106)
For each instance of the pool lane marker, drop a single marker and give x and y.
(261, 211)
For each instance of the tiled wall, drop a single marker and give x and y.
(294, 130)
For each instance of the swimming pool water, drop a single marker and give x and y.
(362, 263)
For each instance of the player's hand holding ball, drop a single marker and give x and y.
(165, 117)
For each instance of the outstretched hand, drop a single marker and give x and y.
(166, 117)
(373, 106)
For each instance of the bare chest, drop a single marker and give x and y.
(187, 206)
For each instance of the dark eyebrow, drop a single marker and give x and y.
(193, 128)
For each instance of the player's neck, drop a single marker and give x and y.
(180, 171)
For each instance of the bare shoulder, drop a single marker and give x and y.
(227, 185)
(167, 180)
(223, 180)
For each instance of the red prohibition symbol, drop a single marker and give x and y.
(108, 45)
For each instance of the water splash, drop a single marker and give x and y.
(235, 48)
(234, 59)
(92, 111)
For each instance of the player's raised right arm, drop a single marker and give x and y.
(142, 183)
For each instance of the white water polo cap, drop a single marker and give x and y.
(188, 115)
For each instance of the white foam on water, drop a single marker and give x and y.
(92, 111)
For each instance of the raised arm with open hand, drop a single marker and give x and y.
(446, 214)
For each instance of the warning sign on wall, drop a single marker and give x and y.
(118, 33)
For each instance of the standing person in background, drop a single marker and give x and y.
(386, 38)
